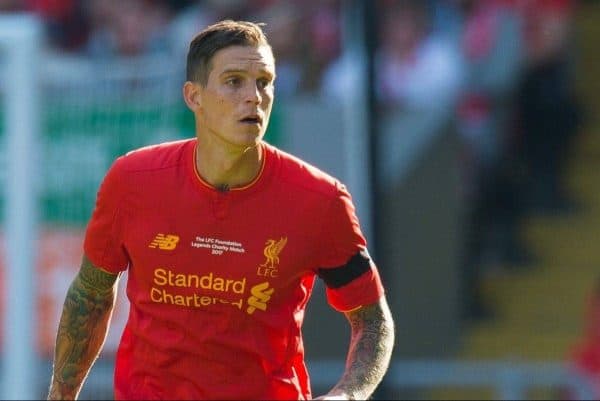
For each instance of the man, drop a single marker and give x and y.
(222, 237)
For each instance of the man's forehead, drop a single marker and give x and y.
(244, 57)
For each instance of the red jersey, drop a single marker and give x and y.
(218, 281)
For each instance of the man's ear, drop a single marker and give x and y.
(192, 95)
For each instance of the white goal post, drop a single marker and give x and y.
(20, 36)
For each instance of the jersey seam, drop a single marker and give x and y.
(320, 192)
(145, 170)
(118, 210)
(323, 229)
(172, 164)
(330, 181)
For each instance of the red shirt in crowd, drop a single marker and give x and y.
(217, 280)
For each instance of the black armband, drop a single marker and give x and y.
(337, 277)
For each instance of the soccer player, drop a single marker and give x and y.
(222, 237)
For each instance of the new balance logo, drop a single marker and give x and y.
(260, 297)
(165, 242)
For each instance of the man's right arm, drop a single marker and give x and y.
(82, 330)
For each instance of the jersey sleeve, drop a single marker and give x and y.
(350, 275)
(103, 242)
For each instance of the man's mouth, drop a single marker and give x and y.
(251, 120)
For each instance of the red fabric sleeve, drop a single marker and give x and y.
(103, 243)
(342, 241)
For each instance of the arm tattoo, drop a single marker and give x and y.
(370, 350)
(82, 329)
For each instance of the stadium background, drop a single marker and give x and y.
(479, 268)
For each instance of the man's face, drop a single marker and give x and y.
(235, 104)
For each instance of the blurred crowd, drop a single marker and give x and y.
(504, 68)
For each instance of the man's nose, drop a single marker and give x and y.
(253, 94)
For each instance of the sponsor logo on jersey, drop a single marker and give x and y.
(164, 242)
(261, 294)
(200, 291)
(270, 267)
(194, 290)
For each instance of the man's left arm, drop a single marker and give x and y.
(371, 344)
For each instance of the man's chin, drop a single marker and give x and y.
(252, 138)
(249, 143)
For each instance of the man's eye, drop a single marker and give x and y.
(234, 81)
(262, 83)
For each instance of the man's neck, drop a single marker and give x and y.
(226, 168)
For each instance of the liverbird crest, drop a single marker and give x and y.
(272, 250)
